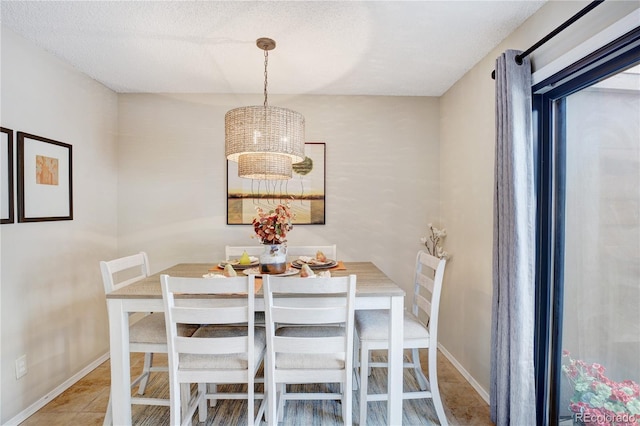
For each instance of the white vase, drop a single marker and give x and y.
(273, 259)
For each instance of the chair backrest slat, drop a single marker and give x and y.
(429, 275)
(211, 345)
(423, 304)
(326, 315)
(429, 260)
(211, 286)
(317, 345)
(210, 315)
(309, 286)
(123, 271)
(425, 281)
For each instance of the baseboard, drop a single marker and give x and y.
(468, 377)
(29, 411)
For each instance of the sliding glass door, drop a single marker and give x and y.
(588, 341)
(601, 304)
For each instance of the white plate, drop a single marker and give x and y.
(235, 264)
(212, 275)
(314, 264)
(257, 273)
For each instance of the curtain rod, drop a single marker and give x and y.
(553, 33)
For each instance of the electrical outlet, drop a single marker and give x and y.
(21, 366)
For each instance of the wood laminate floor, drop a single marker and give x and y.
(85, 403)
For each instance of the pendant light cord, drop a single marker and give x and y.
(266, 61)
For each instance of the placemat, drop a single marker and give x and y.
(339, 267)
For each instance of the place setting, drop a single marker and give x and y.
(313, 263)
(244, 262)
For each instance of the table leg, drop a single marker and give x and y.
(120, 368)
(396, 331)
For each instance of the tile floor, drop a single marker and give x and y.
(85, 402)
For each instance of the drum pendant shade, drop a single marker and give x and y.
(264, 140)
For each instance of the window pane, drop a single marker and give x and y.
(601, 312)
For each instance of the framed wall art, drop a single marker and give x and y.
(45, 185)
(305, 191)
(6, 170)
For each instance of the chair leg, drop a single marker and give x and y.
(185, 397)
(417, 367)
(262, 413)
(213, 389)
(190, 405)
(202, 404)
(356, 360)
(148, 360)
(281, 397)
(435, 389)
(251, 389)
(175, 404)
(272, 411)
(108, 415)
(364, 382)
(347, 401)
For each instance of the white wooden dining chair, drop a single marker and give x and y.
(330, 251)
(218, 352)
(148, 334)
(310, 348)
(420, 331)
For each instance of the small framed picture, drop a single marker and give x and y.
(6, 170)
(45, 184)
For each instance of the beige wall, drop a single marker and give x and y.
(52, 304)
(467, 143)
(382, 176)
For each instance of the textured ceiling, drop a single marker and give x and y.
(414, 48)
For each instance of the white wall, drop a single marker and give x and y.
(467, 144)
(382, 177)
(53, 308)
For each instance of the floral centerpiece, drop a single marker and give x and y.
(433, 242)
(598, 400)
(271, 229)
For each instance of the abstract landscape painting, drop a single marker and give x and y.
(305, 191)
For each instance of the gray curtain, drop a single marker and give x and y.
(512, 393)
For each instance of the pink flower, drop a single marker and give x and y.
(272, 227)
(621, 395)
(598, 368)
(617, 402)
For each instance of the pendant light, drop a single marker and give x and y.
(264, 140)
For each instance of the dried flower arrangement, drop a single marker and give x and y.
(433, 242)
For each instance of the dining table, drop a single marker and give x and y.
(374, 290)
